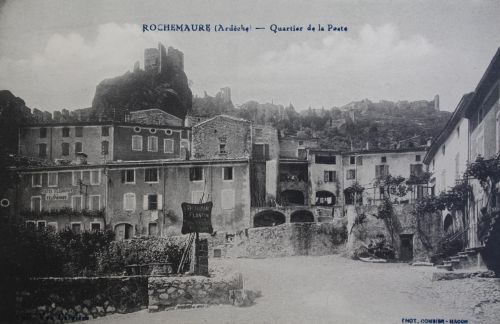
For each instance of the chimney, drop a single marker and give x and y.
(436, 102)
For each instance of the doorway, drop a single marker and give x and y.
(406, 251)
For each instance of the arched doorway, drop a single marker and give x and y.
(448, 224)
(124, 231)
(325, 198)
(302, 216)
(268, 218)
(292, 197)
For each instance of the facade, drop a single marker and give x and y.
(153, 163)
(368, 168)
(483, 112)
(447, 160)
(148, 172)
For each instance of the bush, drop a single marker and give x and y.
(32, 252)
(140, 251)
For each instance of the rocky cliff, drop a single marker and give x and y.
(164, 87)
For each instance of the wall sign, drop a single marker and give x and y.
(197, 218)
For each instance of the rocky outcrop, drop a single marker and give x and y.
(13, 112)
(164, 88)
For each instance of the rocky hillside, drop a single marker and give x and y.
(359, 124)
(13, 112)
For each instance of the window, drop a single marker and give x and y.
(168, 146)
(41, 224)
(382, 192)
(151, 175)
(137, 129)
(152, 202)
(227, 173)
(52, 225)
(42, 150)
(129, 201)
(351, 174)
(104, 147)
(352, 160)
(416, 169)
(128, 176)
(78, 131)
(95, 177)
(65, 149)
(95, 226)
(301, 142)
(330, 176)
(325, 159)
(136, 143)
(227, 199)
(196, 174)
(222, 149)
(359, 160)
(76, 227)
(94, 202)
(78, 147)
(65, 132)
(443, 149)
(105, 131)
(36, 204)
(43, 132)
(152, 144)
(418, 158)
(381, 171)
(76, 203)
(168, 132)
(383, 159)
(77, 178)
(36, 180)
(153, 229)
(53, 178)
(31, 224)
(184, 134)
(152, 130)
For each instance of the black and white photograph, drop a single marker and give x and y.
(237, 161)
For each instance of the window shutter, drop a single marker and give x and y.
(145, 202)
(326, 176)
(377, 171)
(123, 176)
(160, 202)
(266, 151)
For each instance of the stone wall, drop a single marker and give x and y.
(289, 239)
(426, 230)
(165, 292)
(232, 132)
(68, 299)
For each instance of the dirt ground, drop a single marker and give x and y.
(334, 289)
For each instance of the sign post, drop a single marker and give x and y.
(197, 219)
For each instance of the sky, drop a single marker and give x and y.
(54, 53)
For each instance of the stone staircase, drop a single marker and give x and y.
(470, 259)
(491, 241)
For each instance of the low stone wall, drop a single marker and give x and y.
(194, 291)
(290, 239)
(57, 300)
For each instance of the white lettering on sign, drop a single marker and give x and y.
(57, 196)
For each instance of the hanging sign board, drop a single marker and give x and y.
(197, 218)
